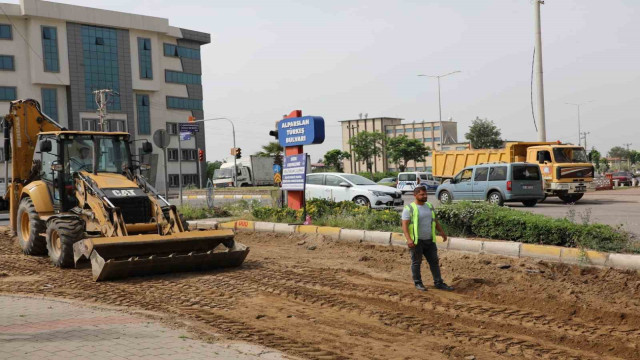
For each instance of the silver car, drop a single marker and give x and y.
(350, 187)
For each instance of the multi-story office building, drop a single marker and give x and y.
(433, 134)
(60, 54)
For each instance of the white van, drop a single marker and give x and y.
(407, 181)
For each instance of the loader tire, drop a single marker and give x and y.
(62, 233)
(29, 228)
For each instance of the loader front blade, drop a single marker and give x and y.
(138, 255)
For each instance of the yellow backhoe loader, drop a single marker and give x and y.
(78, 195)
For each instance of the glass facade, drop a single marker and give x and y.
(144, 114)
(179, 51)
(5, 32)
(436, 128)
(50, 103)
(427, 139)
(6, 62)
(8, 93)
(50, 49)
(183, 103)
(409, 130)
(100, 60)
(144, 58)
(178, 77)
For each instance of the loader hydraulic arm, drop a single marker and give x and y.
(21, 128)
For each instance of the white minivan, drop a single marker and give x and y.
(350, 187)
(407, 181)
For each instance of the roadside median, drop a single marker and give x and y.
(573, 256)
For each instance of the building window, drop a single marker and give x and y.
(389, 132)
(427, 139)
(189, 179)
(189, 154)
(50, 103)
(183, 52)
(174, 180)
(428, 169)
(115, 125)
(183, 103)
(144, 116)
(100, 63)
(8, 93)
(6, 62)
(172, 128)
(436, 139)
(436, 128)
(172, 154)
(50, 49)
(5, 32)
(399, 131)
(178, 77)
(409, 130)
(427, 128)
(144, 57)
(89, 124)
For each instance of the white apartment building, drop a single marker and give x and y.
(59, 54)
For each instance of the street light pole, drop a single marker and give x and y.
(578, 106)
(233, 129)
(442, 135)
(542, 131)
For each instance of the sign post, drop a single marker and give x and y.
(294, 131)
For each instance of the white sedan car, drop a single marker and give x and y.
(350, 187)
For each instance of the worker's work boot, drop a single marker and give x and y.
(442, 286)
(420, 287)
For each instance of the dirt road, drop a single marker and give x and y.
(342, 301)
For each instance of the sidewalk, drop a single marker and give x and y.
(41, 329)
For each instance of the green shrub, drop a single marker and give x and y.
(378, 176)
(494, 222)
(189, 212)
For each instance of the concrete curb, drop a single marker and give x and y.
(503, 248)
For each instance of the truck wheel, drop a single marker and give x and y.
(570, 198)
(62, 233)
(444, 197)
(530, 203)
(29, 228)
(362, 201)
(495, 198)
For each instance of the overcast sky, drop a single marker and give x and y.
(337, 59)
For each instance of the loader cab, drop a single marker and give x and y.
(64, 154)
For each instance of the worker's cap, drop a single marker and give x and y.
(419, 188)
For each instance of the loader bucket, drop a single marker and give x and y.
(137, 255)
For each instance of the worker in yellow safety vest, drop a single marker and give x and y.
(419, 225)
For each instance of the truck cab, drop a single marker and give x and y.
(566, 170)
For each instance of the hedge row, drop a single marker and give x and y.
(494, 222)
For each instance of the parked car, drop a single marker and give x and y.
(623, 177)
(350, 187)
(407, 181)
(388, 181)
(497, 183)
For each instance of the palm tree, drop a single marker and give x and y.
(271, 149)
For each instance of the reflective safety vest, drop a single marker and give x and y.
(413, 225)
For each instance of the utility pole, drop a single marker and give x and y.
(628, 155)
(542, 132)
(578, 107)
(584, 136)
(102, 98)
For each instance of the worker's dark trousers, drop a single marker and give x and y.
(430, 251)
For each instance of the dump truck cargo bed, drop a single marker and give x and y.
(126, 256)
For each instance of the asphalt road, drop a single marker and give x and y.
(612, 207)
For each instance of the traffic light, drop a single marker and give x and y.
(274, 133)
(238, 153)
(200, 155)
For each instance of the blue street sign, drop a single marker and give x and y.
(294, 174)
(276, 168)
(190, 127)
(304, 130)
(184, 136)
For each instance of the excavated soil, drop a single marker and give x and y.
(323, 299)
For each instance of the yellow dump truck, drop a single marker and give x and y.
(566, 169)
